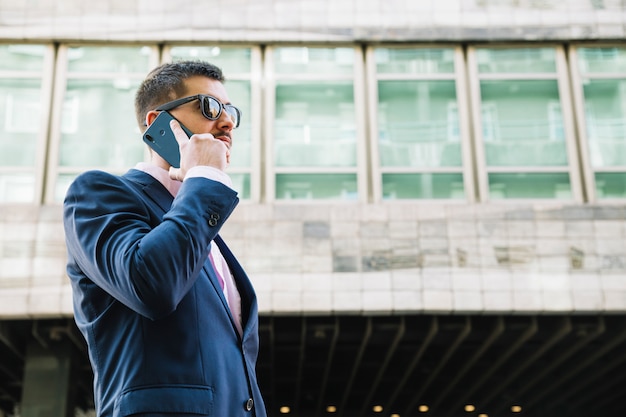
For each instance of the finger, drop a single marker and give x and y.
(179, 133)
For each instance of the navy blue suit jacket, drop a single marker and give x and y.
(161, 338)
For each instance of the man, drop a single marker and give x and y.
(169, 315)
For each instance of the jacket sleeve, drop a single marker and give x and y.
(114, 239)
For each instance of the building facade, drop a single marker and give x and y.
(417, 165)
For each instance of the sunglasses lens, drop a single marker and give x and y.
(233, 113)
(211, 108)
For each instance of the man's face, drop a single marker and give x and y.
(190, 115)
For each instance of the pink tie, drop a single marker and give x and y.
(228, 285)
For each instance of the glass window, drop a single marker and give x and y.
(98, 128)
(236, 64)
(231, 60)
(414, 61)
(524, 145)
(610, 184)
(22, 57)
(602, 60)
(529, 185)
(516, 61)
(16, 188)
(419, 136)
(603, 84)
(315, 153)
(427, 185)
(115, 59)
(315, 61)
(241, 183)
(533, 137)
(23, 124)
(20, 105)
(62, 184)
(315, 124)
(418, 124)
(241, 96)
(606, 122)
(316, 186)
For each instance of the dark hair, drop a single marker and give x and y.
(166, 83)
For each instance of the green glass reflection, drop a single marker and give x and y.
(109, 59)
(605, 112)
(317, 61)
(516, 60)
(62, 184)
(241, 183)
(316, 186)
(20, 107)
(240, 95)
(230, 59)
(414, 61)
(315, 125)
(423, 186)
(22, 57)
(610, 184)
(418, 124)
(17, 188)
(522, 123)
(98, 126)
(529, 185)
(602, 60)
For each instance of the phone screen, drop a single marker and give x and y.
(161, 139)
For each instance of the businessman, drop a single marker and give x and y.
(169, 315)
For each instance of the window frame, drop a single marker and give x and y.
(459, 78)
(38, 169)
(577, 77)
(358, 81)
(62, 75)
(561, 76)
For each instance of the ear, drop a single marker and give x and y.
(150, 116)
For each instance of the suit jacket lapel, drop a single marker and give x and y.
(244, 286)
(162, 197)
(215, 282)
(152, 188)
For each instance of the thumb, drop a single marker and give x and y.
(175, 174)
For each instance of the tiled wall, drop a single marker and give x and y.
(33, 282)
(386, 258)
(312, 20)
(398, 258)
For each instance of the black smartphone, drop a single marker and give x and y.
(161, 139)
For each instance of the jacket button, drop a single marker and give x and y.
(213, 219)
(249, 404)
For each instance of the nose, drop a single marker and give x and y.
(225, 121)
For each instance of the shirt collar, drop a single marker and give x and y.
(161, 175)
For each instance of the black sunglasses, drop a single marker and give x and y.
(210, 106)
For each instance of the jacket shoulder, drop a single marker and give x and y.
(99, 181)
